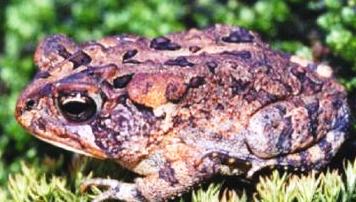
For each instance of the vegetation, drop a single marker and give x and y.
(322, 30)
(30, 184)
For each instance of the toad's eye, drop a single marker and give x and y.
(76, 107)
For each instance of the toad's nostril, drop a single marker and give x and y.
(30, 104)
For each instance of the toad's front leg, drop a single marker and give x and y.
(170, 180)
(116, 190)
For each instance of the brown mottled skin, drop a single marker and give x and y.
(181, 108)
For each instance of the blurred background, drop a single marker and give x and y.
(319, 30)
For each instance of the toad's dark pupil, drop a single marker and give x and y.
(77, 110)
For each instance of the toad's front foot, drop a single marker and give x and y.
(116, 190)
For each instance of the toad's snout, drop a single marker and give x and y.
(29, 99)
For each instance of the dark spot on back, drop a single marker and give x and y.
(62, 51)
(197, 81)
(219, 106)
(238, 36)
(212, 65)
(80, 58)
(131, 61)
(240, 54)
(239, 86)
(122, 81)
(163, 43)
(129, 54)
(179, 61)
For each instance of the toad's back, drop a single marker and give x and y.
(224, 82)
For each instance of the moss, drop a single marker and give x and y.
(327, 186)
(332, 185)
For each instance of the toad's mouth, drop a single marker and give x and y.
(64, 146)
(78, 140)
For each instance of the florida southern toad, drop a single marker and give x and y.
(181, 108)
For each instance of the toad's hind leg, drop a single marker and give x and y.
(319, 154)
(315, 157)
(322, 151)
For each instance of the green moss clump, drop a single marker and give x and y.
(32, 185)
